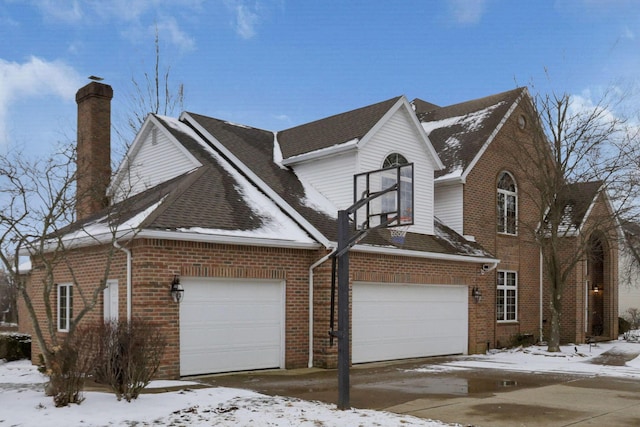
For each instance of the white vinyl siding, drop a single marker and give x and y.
(158, 159)
(448, 206)
(331, 176)
(399, 135)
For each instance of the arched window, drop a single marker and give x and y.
(394, 159)
(389, 201)
(507, 204)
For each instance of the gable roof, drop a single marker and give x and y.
(460, 132)
(332, 130)
(578, 200)
(241, 193)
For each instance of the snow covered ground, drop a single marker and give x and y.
(22, 402)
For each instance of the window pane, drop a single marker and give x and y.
(500, 305)
(501, 216)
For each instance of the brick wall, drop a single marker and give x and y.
(517, 253)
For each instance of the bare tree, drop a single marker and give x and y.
(154, 93)
(583, 149)
(8, 299)
(37, 207)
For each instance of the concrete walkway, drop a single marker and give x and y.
(471, 397)
(587, 402)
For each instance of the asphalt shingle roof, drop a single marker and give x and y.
(459, 131)
(332, 130)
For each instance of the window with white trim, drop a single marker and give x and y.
(65, 306)
(507, 296)
(507, 204)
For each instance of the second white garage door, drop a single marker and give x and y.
(392, 321)
(231, 325)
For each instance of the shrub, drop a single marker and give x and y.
(126, 355)
(524, 340)
(69, 365)
(623, 325)
(15, 346)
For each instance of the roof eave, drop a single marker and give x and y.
(420, 254)
(225, 239)
(325, 152)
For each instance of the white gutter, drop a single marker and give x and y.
(541, 296)
(323, 152)
(128, 252)
(429, 255)
(226, 239)
(313, 266)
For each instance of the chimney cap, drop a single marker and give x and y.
(96, 78)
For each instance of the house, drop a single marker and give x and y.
(629, 294)
(246, 221)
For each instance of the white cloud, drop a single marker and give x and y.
(467, 11)
(246, 22)
(31, 79)
(176, 36)
(64, 11)
(628, 34)
(246, 17)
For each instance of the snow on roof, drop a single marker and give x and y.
(276, 224)
(470, 122)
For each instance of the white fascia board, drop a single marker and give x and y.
(83, 241)
(266, 189)
(420, 254)
(225, 239)
(324, 152)
(403, 102)
(446, 181)
(495, 132)
(149, 124)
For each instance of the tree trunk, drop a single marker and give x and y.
(556, 311)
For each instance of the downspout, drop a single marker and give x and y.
(313, 266)
(128, 252)
(540, 279)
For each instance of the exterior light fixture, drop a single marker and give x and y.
(177, 291)
(596, 289)
(476, 294)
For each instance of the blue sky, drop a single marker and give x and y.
(275, 64)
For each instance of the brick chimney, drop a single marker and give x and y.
(94, 148)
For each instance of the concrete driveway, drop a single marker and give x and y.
(475, 397)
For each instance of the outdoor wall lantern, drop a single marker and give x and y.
(476, 294)
(596, 289)
(177, 291)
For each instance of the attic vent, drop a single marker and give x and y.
(154, 136)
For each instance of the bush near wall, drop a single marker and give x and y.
(15, 346)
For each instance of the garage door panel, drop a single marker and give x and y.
(393, 321)
(230, 326)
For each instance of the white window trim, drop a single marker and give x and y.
(505, 288)
(506, 194)
(68, 309)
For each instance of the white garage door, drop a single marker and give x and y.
(229, 325)
(402, 321)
